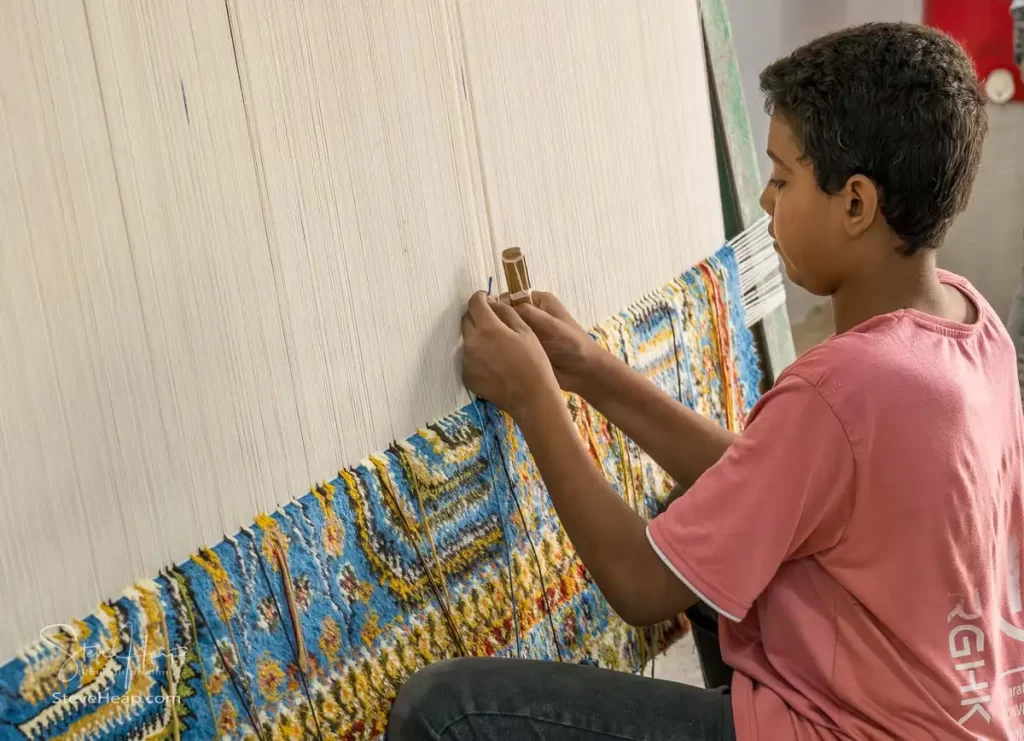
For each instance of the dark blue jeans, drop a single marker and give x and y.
(465, 699)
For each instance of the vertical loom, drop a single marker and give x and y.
(237, 238)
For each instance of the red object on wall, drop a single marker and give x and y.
(985, 28)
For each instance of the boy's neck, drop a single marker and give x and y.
(893, 284)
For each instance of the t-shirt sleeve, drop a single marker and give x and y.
(783, 490)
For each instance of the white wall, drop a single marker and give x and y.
(987, 242)
(758, 35)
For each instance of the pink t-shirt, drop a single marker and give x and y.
(862, 538)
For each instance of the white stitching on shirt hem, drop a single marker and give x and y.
(684, 580)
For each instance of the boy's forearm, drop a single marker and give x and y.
(682, 442)
(610, 538)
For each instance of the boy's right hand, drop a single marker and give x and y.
(573, 353)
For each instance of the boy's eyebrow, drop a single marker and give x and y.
(776, 159)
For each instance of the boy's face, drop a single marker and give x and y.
(807, 224)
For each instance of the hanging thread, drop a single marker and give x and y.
(675, 353)
(501, 519)
(412, 535)
(250, 704)
(533, 548)
(188, 600)
(298, 646)
(209, 559)
(172, 683)
(407, 469)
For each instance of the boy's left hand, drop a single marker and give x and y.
(503, 361)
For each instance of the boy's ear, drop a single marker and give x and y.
(860, 204)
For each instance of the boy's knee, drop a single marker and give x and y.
(424, 702)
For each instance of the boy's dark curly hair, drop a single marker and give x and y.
(896, 102)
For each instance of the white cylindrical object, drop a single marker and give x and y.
(1000, 86)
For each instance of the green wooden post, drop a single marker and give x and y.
(739, 175)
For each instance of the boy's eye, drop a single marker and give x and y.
(777, 184)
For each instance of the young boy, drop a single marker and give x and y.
(861, 540)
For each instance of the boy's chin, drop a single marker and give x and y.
(802, 281)
(792, 274)
(810, 287)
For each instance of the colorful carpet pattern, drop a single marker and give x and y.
(305, 624)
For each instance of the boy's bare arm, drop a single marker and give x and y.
(610, 538)
(682, 442)
(679, 440)
(507, 363)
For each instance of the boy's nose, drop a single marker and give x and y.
(768, 200)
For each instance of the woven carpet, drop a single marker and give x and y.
(305, 624)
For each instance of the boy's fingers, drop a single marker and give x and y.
(537, 319)
(549, 302)
(479, 310)
(509, 316)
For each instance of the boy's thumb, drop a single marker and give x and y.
(538, 320)
(549, 303)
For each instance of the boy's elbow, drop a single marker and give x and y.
(642, 590)
(629, 616)
(642, 608)
(645, 619)
(639, 613)
(638, 619)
